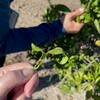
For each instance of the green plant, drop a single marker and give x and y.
(92, 13)
(75, 72)
(54, 12)
(74, 57)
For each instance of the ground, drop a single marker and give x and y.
(30, 14)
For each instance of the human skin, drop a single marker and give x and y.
(69, 23)
(17, 82)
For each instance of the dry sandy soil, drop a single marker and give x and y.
(30, 14)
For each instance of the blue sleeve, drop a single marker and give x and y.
(21, 39)
(4, 19)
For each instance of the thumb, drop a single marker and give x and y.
(13, 79)
(77, 12)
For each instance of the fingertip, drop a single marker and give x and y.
(77, 12)
(17, 66)
(31, 85)
(81, 9)
(27, 72)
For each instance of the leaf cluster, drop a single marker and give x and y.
(92, 13)
(76, 58)
(76, 72)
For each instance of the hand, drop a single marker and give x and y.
(17, 82)
(69, 24)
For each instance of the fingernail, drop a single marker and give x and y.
(28, 72)
(81, 9)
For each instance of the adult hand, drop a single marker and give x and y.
(17, 82)
(69, 23)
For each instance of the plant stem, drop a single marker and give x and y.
(89, 5)
(39, 62)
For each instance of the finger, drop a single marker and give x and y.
(17, 66)
(13, 79)
(18, 94)
(77, 27)
(26, 91)
(21, 97)
(31, 86)
(76, 13)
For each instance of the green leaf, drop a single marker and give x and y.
(36, 48)
(64, 60)
(97, 25)
(63, 8)
(97, 80)
(95, 3)
(85, 77)
(87, 18)
(84, 1)
(90, 76)
(56, 51)
(81, 57)
(87, 86)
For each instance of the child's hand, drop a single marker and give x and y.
(69, 24)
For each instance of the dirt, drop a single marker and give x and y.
(30, 14)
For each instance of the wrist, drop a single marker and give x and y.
(62, 21)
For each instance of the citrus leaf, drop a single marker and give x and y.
(63, 8)
(97, 80)
(97, 25)
(64, 60)
(56, 51)
(35, 48)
